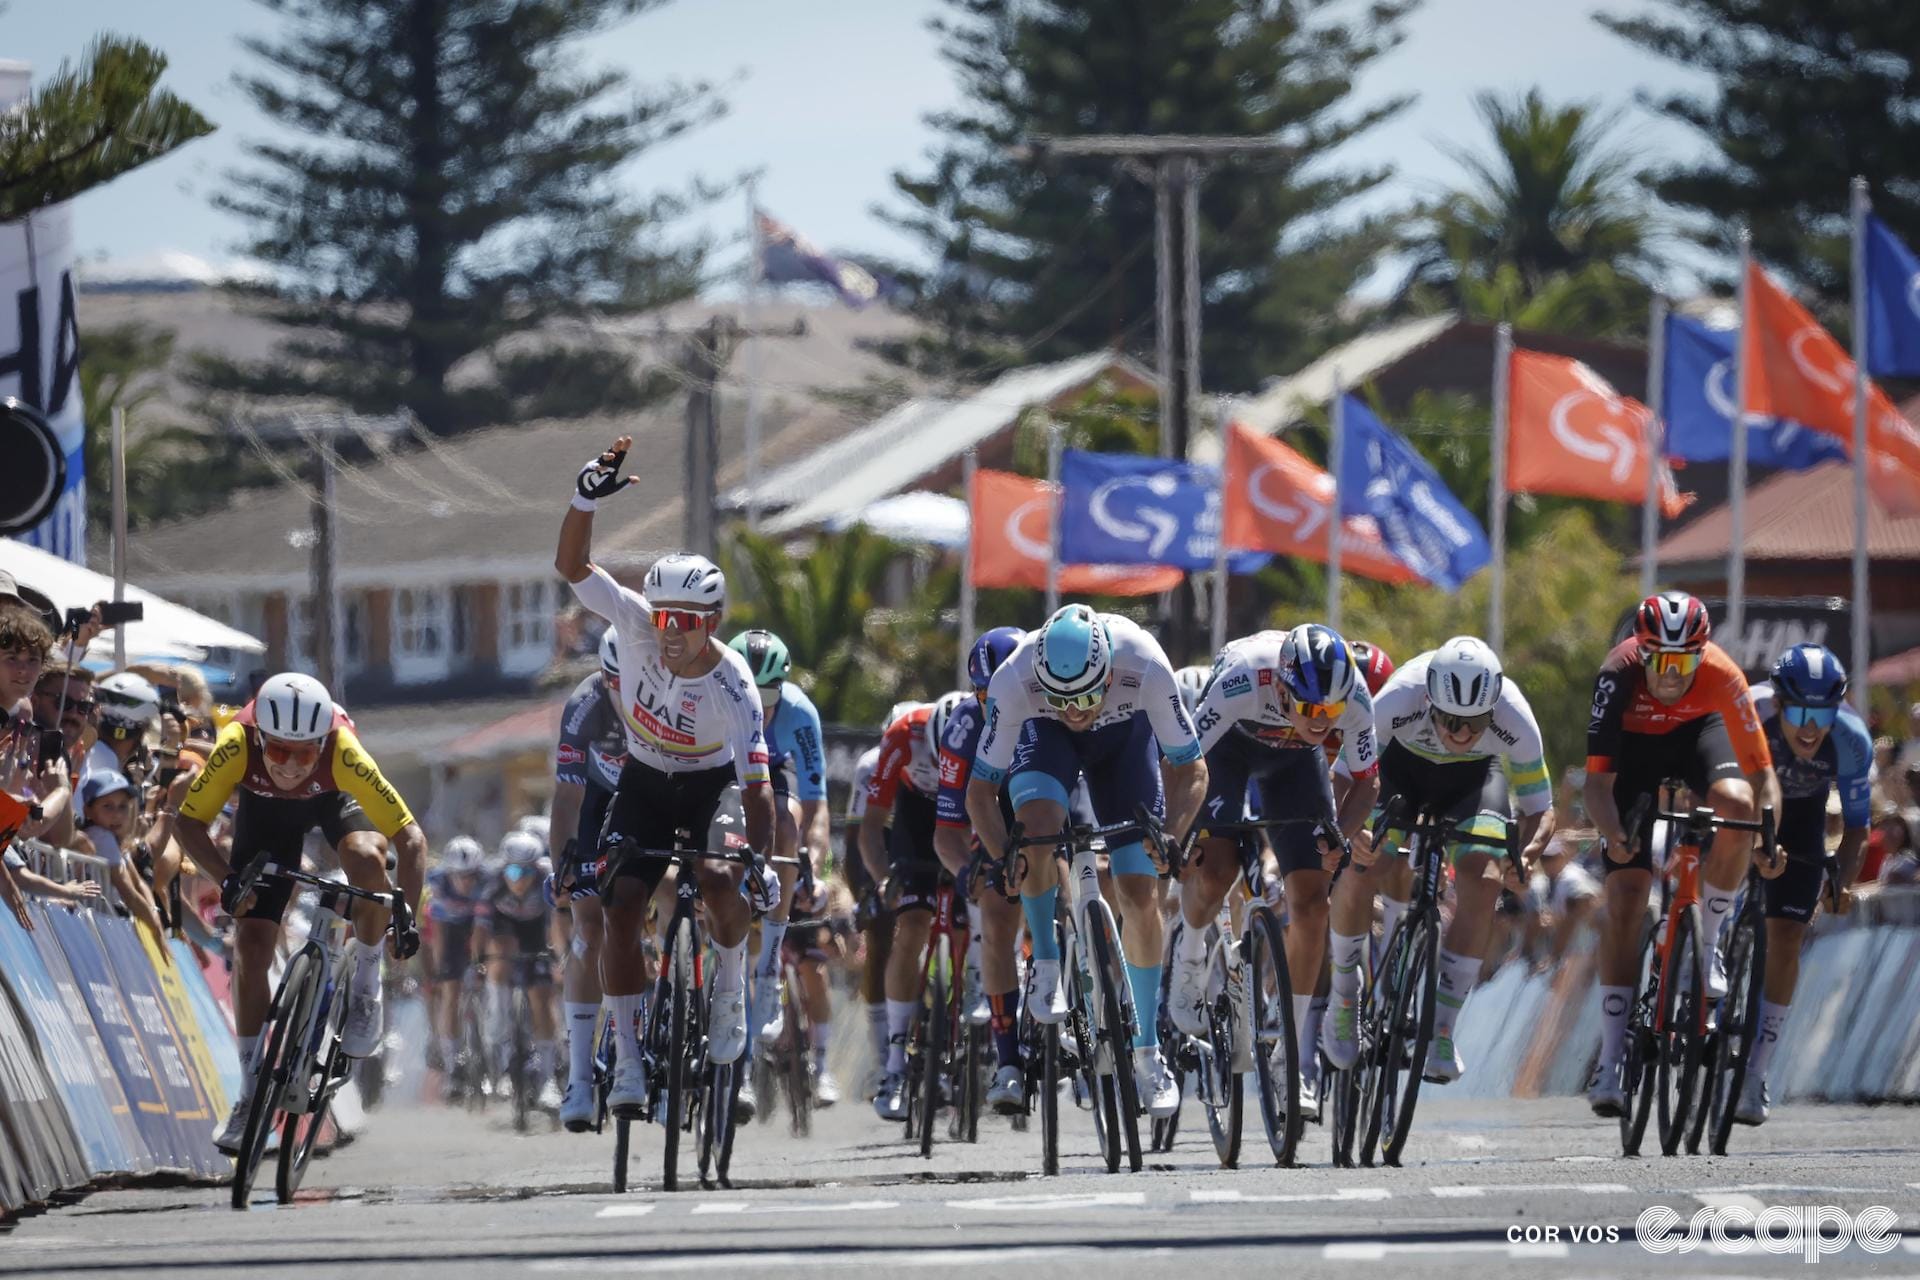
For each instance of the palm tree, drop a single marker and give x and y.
(1550, 229)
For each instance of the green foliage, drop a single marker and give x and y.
(453, 181)
(1565, 590)
(84, 128)
(1037, 261)
(1805, 96)
(1549, 235)
(1105, 419)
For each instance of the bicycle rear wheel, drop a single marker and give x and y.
(1046, 1094)
(299, 1135)
(797, 1035)
(717, 1127)
(1639, 1050)
(975, 1051)
(676, 1004)
(1119, 1095)
(1222, 1088)
(1270, 1006)
(281, 1052)
(1739, 1019)
(931, 1061)
(475, 1083)
(1678, 1039)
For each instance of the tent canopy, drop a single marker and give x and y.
(168, 629)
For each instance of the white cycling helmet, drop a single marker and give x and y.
(1193, 683)
(521, 848)
(1464, 678)
(897, 710)
(609, 653)
(293, 708)
(686, 580)
(942, 712)
(127, 698)
(535, 824)
(462, 854)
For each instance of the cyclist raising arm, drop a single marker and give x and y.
(693, 724)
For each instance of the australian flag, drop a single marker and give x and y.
(787, 257)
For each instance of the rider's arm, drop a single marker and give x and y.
(359, 776)
(207, 795)
(1186, 788)
(873, 841)
(746, 729)
(568, 797)
(1531, 781)
(1613, 692)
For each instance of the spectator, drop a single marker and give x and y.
(24, 642)
(126, 707)
(112, 807)
(1890, 848)
(37, 885)
(1889, 774)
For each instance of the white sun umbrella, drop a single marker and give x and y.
(928, 519)
(167, 630)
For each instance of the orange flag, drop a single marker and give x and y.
(1011, 535)
(1569, 432)
(1279, 501)
(1796, 371)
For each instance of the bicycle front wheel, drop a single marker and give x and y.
(676, 1005)
(1119, 1098)
(1739, 1020)
(931, 1059)
(300, 1134)
(798, 1037)
(1222, 1086)
(1678, 1038)
(1412, 1032)
(1637, 1077)
(281, 1054)
(520, 1057)
(1276, 1045)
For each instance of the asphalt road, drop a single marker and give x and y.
(436, 1193)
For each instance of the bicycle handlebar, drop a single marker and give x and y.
(400, 924)
(1427, 823)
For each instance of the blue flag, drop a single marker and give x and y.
(787, 257)
(1697, 390)
(1893, 304)
(1420, 520)
(1123, 508)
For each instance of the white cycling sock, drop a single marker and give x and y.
(1615, 1002)
(366, 968)
(976, 941)
(877, 1032)
(1301, 1005)
(582, 1019)
(899, 1018)
(1347, 950)
(822, 1038)
(1773, 1020)
(1715, 906)
(626, 1021)
(1310, 1030)
(498, 1000)
(730, 967)
(1457, 974)
(1191, 945)
(1391, 910)
(248, 1046)
(772, 932)
(545, 1053)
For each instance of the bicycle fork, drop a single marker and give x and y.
(1083, 889)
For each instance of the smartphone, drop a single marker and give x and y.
(53, 744)
(76, 619)
(115, 612)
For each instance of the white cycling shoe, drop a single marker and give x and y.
(727, 1026)
(1340, 1032)
(1008, 1093)
(628, 1095)
(366, 1019)
(826, 1090)
(1045, 997)
(746, 1103)
(1755, 1102)
(228, 1140)
(1310, 1089)
(1716, 983)
(1443, 1062)
(1606, 1090)
(576, 1109)
(891, 1102)
(766, 1005)
(1154, 1079)
(1187, 996)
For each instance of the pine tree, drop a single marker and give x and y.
(1808, 94)
(1040, 262)
(450, 188)
(83, 128)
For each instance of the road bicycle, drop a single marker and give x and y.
(1396, 1024)
(301, 1064)
(943, 1046)
(521, 1077)
(472, 1067)
(784, 1065)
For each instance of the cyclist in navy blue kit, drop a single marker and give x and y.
(454, 884)
(1817, 744)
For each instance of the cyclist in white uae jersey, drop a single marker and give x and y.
(1091, 695)
(693, 723)
(1447, 719)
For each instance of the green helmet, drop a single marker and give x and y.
(766, 653)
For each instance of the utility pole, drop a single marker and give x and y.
(705, 354)
(1175, 166)
(329, 646)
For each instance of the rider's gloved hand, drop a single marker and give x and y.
(1270, 890)
(601, 477)
(762, 886)
(233, 892)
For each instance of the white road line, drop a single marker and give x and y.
(1584, 1188)
(1730, 1200)
(1231, 1196)
(837, 1260)
(795, 1206)
(625, 1211)
(1042, 1203)
(1379, 1250)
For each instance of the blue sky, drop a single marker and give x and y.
(827, 98)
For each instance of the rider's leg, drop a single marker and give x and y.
(253, 944)
(773, 926)
(363, 860)
(1204, 884)
(817, 999)
(1307, 924)
(1395, 883)
(1622, 926)
(503, 950)
(1791, 898)
(1725, 866)
(1000, 970)
(624, 973)
(1476, 887)
(912, 922)
(582, 990)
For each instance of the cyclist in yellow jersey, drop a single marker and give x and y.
(292, 757)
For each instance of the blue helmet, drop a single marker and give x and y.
(1808, 675)
(989, 651)
(1074, 655)
(1315, 666)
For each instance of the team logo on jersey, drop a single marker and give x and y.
(1233, 686)
(1265, 677)
(569, 754)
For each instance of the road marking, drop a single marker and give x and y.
(795, 1206)
(1730, 1200)
(1378, 1250)
(1585, 1188)
(1093, 1200)
(625, 1211)
(835, 1260)
(1469, 1141)
(1232, 1196)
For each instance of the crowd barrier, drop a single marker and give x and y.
(1853, 1034)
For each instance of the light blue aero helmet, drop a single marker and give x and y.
(1073, 657)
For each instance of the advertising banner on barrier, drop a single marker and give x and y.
(32, 1118)
(216, 1027)
(112, 1099)
(66, 1059)
(171, 980)
(189, 1109)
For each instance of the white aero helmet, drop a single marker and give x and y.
(293, 708)
(1463, 677)
(897, 710)
(687, 581)
(537, 825)
(609, 653)
(127, 698)
(937, 722)
(1193, 683)
(1074, 655)
(463, 853)
(522, 848)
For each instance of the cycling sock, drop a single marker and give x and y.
(1457, 973)
(1006, 1027)
(822, 1039)
(1773, 1020)
(582, 1018)
(1310, 1029)
(899, 1018)
(730, 967)
(449, 1050)
(1715, 906)
(771, 934)
(626, 1023)
(975, 942)
(366, 968)
(498, 998)
(1347, 950)
(545, 1054)
(1391, 910)
(1039, 909)
(1301, 1006)
(1191, 945)
(877, 1032)
(248, 1046)
(1145, 981)
(1614, 1003)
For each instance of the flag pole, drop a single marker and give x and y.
(1497, 497)
(1737, 465)
(1336, 448)
(1217, 634)
(1862, 608)
(750, 358)
(1053, 518)
(1655, 440)
(969, 602)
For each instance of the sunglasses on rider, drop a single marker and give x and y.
(1675, 662)
(1819, 717)
(1463, 724)
(278, 752)
(683, 619)
(1316, 710)
(1077, 701)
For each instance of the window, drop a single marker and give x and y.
(422, 634)
(303, 640)
(526, 626)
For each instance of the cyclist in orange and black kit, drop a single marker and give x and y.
(1668, 703)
